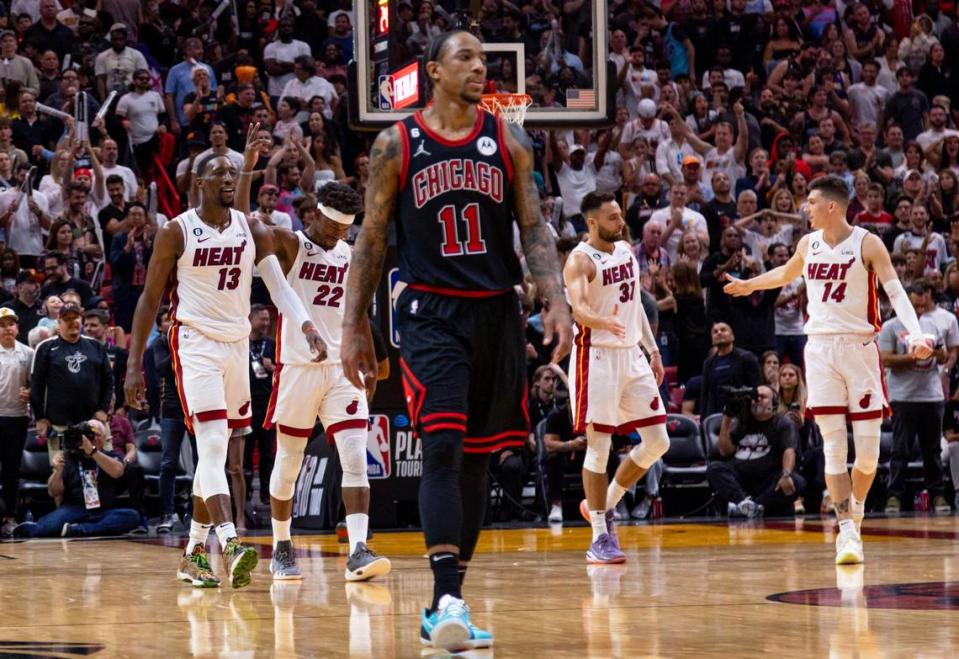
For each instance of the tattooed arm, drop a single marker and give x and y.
(366, 267)
(538, 244)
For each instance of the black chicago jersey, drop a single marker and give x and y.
(454, 219)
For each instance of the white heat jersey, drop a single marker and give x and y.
(843, 295)
(614, 291)
(318, 277)
(211, 283)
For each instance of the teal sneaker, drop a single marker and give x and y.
(449, 628)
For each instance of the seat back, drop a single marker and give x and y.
(35, 465)
(711, 426)
(149, 450)
(685, 442)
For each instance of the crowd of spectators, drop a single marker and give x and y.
(726, 110)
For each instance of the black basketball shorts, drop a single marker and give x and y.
(463, 362)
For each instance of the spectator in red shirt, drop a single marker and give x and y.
(874, 217)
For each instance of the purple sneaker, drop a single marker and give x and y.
(605, 551)
(611, 529)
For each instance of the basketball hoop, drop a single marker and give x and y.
(512, 107)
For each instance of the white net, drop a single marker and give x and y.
(512, 107)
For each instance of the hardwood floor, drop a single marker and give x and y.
(688, 590)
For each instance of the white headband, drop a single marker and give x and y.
(336, 216)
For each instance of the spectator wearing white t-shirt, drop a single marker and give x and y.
(306, 84)
(109, 154)
(676, 219)
(726, 156)
(608, 164)
(575, 174)
(114, 67)
(646, 125)
(633, 77)
(280, 55)
(218, 146)
(921, 237)
(681, 143)
(141, 109)
(266, 208)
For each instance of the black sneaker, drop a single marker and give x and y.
(364, 563)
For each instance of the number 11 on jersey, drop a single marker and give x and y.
(452, 245)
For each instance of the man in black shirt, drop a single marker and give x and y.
(59, 281)
(48, 33)
(760, 448)
(26, 305)
(85, 487)
(262, 365)
(908, 107)
(71, 380)
(720, 211)
(728, 367)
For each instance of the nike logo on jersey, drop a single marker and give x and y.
(203, 240)
(421, 151)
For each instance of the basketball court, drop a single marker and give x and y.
(695, 589)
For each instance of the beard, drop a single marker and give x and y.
(610, 236)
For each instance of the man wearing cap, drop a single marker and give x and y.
(646, 125)
(576, 176)
(71, 380)
(114, 67)
(26, 305)
(15, 358)
(49, 33)
(14, 66)
(698, 191)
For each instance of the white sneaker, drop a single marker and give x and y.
(849, 549)
(555, 514)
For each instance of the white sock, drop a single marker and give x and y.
(858, 507)
(356, 527)
(614, 493)
(954, 463)
(847, 526)
(597, 519)
(225, 531)
(198, 535)
(281, 530)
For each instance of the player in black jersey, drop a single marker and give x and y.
(455, 178)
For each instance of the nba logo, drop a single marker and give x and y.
(386, 92)
(378, 447)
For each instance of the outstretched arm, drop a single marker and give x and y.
(166, 250)
(250, 155)
(876, 258)
(538, 244)
(775, 278)
(366, 267)
(283, 295)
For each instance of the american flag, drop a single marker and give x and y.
(581, 99)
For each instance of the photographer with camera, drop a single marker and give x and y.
(72, 379)
(761, 443)
(84, 483)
